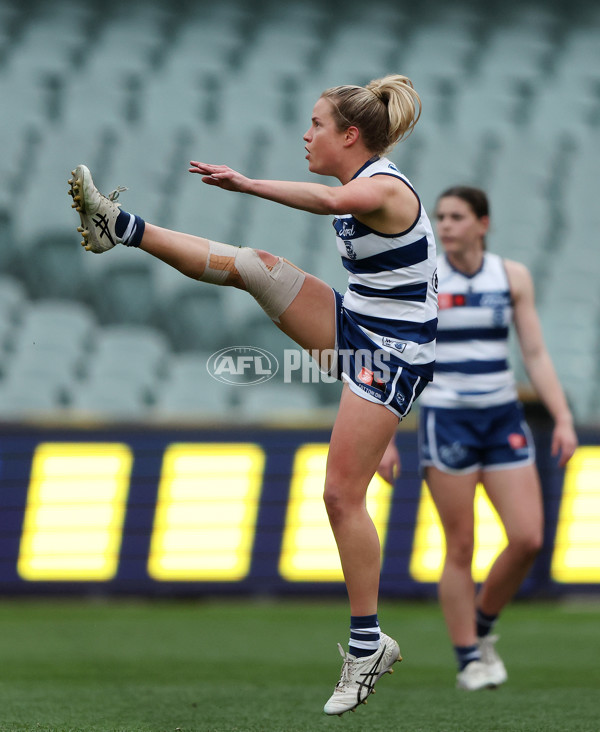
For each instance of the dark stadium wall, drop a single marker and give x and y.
(190, 512)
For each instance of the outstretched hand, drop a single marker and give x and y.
(220, 176)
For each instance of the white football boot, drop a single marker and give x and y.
(491, 659)
(359, 676)
(474, 676)
(98, 213)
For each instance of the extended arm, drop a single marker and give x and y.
(390, 203)
(538, 362)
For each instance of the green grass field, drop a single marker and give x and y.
(262, 666)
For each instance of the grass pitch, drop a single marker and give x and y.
(269, 666)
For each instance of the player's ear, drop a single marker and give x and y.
(484, 225)
(351, 135)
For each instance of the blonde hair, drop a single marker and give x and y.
(385, 110)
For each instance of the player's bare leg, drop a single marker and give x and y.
(454, 496)
(301, 305)
(516, 496)
(360, 435)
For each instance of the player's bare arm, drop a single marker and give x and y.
(381, 201)
(537, 360)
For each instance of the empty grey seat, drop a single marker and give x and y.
(131, 357)
(7, 335)
(8, 246)
(193, 316)
(12, 297)
(188, 367)
(277, 402)
(134, 372)
(107, 398)
(59, 367)
(56, 324)
(194, 401)
(129, 341)
(190, 392)
(123, 292)
(26, 398)
(52, 265)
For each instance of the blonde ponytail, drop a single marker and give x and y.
(385, 110)
(403, 103)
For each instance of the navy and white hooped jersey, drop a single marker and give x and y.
(392, 281)
(475, 312)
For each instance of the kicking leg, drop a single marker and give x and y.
(301, 305)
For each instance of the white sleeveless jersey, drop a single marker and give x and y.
(475, 313)
(392, 282)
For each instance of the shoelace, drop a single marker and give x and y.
(345, 675)
(114, 195)
(488, 650)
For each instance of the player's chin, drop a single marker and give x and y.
(451, 245)
(314, 167)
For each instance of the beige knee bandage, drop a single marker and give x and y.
(220, 264)
(273, 288)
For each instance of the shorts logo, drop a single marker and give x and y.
(365, 376)
(517, 441)
(453, 454)
(396, 345)
(373, 391)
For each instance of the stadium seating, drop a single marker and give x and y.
(105, 397)
(12, 298)
(276, 402)
(51, 324)
(29, 398)
(189, 392)
(511, 102)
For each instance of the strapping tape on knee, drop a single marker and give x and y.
(273, 288)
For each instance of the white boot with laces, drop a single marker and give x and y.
(98, 213)
(491, 659)
(359, 675)
(474, 676)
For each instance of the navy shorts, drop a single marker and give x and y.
(465, 440)
(374, 374)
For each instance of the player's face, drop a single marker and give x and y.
(324, 142)
(458, 227)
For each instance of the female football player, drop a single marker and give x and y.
(389, 312)
(472, 427)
